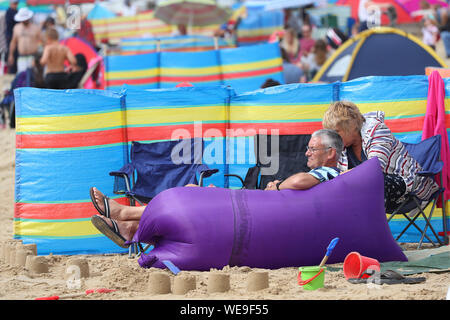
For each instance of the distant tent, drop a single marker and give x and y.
(379, 51)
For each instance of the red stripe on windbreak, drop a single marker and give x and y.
(232, 130)
(70, 140)
(213, 77)
(284, 128)
(58, 210)
(173, 131)
(405, 125)
(253, 39)
(120, 82)
(226, 76)
(252, 73)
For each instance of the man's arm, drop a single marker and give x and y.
(12, 46)
(72, 60)
(298, 181)
(44, 58)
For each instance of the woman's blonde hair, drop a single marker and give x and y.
(343, 115)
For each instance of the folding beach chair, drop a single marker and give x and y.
(290, 154)
(427, 153)
(155, 167)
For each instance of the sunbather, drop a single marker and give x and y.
(120, 222)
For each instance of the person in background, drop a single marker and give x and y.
(442, 15)
(316, 59)
(54, 57)
(9, 26)
(306, 41)
(292, 73)
(86, 32)
(270, 83)
(291, 44)
(129, 9)
(26, 39)
(181, 30)
(430, 32)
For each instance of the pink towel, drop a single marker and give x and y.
(435, 124)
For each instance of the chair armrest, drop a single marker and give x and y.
(125, 170)
(126, 173)
(236, 176)
(205, 172)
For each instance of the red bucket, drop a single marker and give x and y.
(355, 265)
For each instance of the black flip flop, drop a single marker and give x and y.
(107, 211)
(389, 277)
(111, 232)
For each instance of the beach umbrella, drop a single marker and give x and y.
(100, 12)
(191, 12)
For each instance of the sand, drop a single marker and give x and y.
(130, 282)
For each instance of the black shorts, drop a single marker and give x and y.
(57, 80)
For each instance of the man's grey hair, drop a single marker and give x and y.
(330, 138)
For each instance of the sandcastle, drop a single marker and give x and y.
(15, 253)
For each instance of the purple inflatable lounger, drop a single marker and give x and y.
(203, 228)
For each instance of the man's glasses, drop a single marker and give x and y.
(312, 150)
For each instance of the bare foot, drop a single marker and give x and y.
(114, 207)
(127, 229)
(118, 211)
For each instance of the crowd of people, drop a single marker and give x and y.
(36, 47)
(304, 55)
(34, 55)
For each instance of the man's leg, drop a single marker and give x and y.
(119, 211)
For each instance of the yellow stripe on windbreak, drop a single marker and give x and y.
(175, 115)
(397, 109)
(54, 229)
(277, 112)
(69, 123)
(239, 67)
(131, 74)
(257, 32)
(190, 71)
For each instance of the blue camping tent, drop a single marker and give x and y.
(381, 51)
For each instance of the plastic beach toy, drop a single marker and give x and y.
(355, 266)
(312, 278)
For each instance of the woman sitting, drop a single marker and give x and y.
(366, 136)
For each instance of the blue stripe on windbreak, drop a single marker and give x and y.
(132, 62)
(34, 102)
(412, 234)
(372, 89)
(50, 175)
